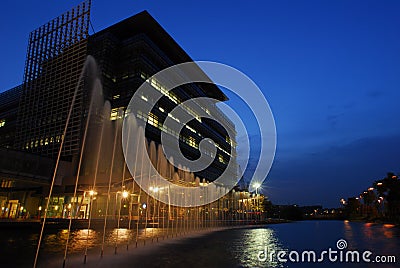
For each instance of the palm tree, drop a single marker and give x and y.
(389, 190)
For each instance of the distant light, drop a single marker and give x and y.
(389, 225)
(92, 192)
(40, 208)
(56, 207)
(144, 206)
(22, 208)
(379, 183)
(371, 189)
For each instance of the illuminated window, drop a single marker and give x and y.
(153, 120)
(173, 117)
(161, 109)
(191, 129)
(144, 98)
(116, 113)
(158, 86)
(192, 142)
(142, 116)
(2, 122)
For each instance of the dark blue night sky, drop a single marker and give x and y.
(329, 69)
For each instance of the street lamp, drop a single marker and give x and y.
(92, 192)
(125, 194)
(257, 185)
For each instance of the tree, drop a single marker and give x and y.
(389, 191)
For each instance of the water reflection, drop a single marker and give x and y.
(246, 248)
(240, 246)
(54, 241)
(318, 236)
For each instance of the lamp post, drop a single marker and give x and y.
(124, 195)
(257, 185)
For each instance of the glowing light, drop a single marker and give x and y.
(22, 208)
(389, 225)
(56, 208)
(125, 194)
(371, 189)
(40, 208)
(92, 192)
(69, 206)
(257, 185)
(154, 189)
(144, 206)
(379, 183)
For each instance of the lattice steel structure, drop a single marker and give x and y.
(55, 57)
(9, 101)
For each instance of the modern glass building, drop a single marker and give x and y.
(9, 103)
(128, 54)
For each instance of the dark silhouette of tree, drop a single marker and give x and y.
(352, 208)
(389, 192)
